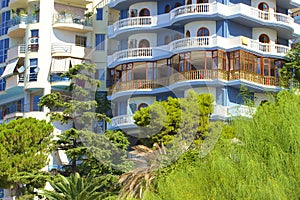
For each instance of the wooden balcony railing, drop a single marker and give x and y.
(205, 75)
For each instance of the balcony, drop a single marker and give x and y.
(14, 4)
(121, 122)
(16, 52)
(134, 23)
(17, 26)
(241, 13)
(72, 23)
(196, 43)
(69, 50)
(197, 76)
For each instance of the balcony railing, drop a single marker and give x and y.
(72, 50)
(203, 74)
(134, 22)
(186, 44)
(192, 9)
(268, 16)
(131, 53)
(122, 120)
(71, 19)
(57, 78)
(240, 110)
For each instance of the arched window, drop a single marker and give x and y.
(202, 32)
(188, 2)
(167, 40)
(144, 12)
(202, 1)
(144, 44)
(167, 8)
(187, 34)
(263, 7)
(177, 4)
(142, 105)
(263, 38)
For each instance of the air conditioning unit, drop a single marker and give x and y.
(21, 69)
(34, 40)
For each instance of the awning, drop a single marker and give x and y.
(60, 65)
(10, 67)
(75, 61)
(63, 157)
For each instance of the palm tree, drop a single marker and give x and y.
(135, 182)
(73, 188)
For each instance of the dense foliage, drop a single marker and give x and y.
(166, 119)
(255, 158)
(24, 148)
(290, 73)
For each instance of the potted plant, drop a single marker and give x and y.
(35, 13)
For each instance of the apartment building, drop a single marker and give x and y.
(166, 47)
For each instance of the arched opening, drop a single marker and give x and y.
(188, 2)
(177, 4)
(142, 105)
(202, 32)
(144, 12)
(167, 8)
(144, 43)
(187, 34)
(263, 38)
(265, 8)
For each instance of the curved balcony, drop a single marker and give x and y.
(240, 13)
(14, 4)
(14, 82)
(137, 54)
(70, 50)
(122, 121)
(203, 76)
(72, 23)
(197, 43)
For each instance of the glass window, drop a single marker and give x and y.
(2, 81)
(4, 3)
(144, 44)
(4, 45)
(100, 42)
(99, 15)
(80, 41)
(202, 32)
(144, 12)
(5, 18)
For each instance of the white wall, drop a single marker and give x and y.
(151, 6)
(151, 37)
(271, 3)
(256, 32)
(194, 26)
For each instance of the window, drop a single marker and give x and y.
(144, 12)
(80, 41)
(34, 32)
(100, 42)
(263, 38)
(33, 69)
(202, 32)
(4, 45)
(5, 17)
(99, 15)
(187, 34)
(189, 2)
(167, 39)
(35, 103)
(142, 105)
(4, 3)
(34, 42)
(2, 81)
(144, 44)
(265, 11)
(177, 4)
